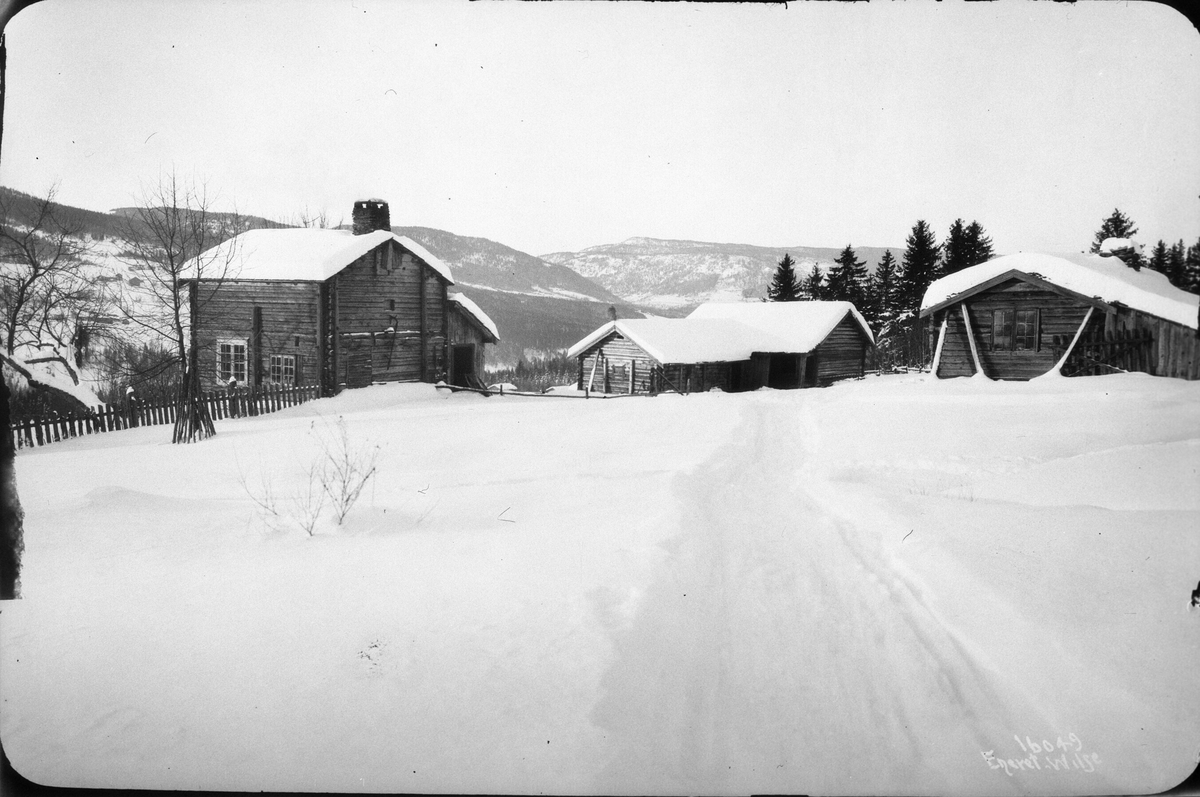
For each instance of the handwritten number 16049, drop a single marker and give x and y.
(1031, 746)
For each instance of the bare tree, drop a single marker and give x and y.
(172, 238)
(50, 307)
(43, 288)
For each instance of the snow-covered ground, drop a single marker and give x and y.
(894, 585)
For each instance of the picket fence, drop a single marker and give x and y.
(237, 403)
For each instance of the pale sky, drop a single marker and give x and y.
(557, 126)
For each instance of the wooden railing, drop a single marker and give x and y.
(157, 410)
(1101, 352)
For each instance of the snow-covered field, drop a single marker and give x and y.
(894, 585)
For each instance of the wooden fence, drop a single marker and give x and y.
(1100, 352)
(157, 410)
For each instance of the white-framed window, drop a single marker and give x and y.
(231, 360)
(283, 369)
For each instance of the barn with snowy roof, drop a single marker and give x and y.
(335, 308)
(1023, 315)
(727, 345)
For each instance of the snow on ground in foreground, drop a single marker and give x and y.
(895, 585)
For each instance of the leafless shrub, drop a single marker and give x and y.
(345, 467)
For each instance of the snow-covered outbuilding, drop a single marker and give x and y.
(470, 330)
(1023, 315)
(728, 345)
(337, 308)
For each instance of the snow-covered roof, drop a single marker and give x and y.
(729, 331)
(477, 313)
(1105, 278)
(306, 254)
(684, 340)
(802, 325)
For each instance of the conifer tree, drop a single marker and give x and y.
(813, 287)
(882, 292)
(919, 266)
(1191, 269)
(954, 250)
(1158, 257)
(1118, 225)
(1176, 270)
(847, 280)
(978, 245)
(784, 287)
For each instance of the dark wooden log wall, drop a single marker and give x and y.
(289, 325)
(1175, 351)
(389, 287)
(700, 377)
(1057, 315)
(1176, 348)
(618, 356)
(956, 352)
(843, 353)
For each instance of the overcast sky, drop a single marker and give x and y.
(557, 126)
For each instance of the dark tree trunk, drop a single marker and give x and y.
(192, 419)
(12, 543)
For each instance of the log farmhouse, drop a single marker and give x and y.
(733, 346)
(334, 308)
(1027, 314)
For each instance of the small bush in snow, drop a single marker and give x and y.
(344, 468)
(336, 477)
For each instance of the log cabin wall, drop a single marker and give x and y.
(956, 352)
(1001, 358)
(289, 313)
(389, 287)
(1175, 351)
(437, 327)
(699, 377)
(842, 354)
(619, 357)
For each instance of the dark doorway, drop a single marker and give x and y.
(810, 370)
(736, 379)
(784, 371)
(462, 364)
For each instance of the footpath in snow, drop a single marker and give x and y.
(895, 585)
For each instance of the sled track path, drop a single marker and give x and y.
(854, 687)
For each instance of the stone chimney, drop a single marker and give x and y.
(371, 215)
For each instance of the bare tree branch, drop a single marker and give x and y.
(172, 239)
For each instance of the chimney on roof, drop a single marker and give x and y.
(371, 215)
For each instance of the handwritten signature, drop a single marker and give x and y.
(1044, 754)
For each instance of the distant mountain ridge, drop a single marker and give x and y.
(539, 307)
(668, 274)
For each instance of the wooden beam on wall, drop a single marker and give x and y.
(971, 338)
(1078, 334)
(937, 355)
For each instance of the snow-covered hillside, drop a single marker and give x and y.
(895, 585)
(669, 274)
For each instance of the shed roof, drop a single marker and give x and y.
(724, 332)
(307, 254)
(802, 325)
(476, 313)
(1107, 279)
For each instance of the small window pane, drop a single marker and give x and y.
(1026, 337)
(231, 360)
(1002, 329)
(283, 369)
